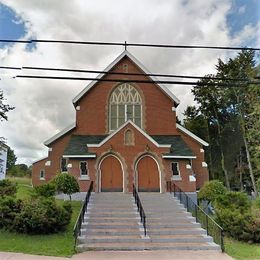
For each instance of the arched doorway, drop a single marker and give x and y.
(148, 174)
(111, 175)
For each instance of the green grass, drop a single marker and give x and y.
(21, 180)
(241, 250)
(60, 244)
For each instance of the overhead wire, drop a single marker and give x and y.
(121, 73)
(126, 44)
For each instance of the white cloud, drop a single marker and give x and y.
(43, 107)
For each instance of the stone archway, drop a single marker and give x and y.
(148, 175)
(111, 174)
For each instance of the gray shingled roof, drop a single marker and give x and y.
(78, 144)
(178, 146)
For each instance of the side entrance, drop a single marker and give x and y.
(111, 175)
(148, 174)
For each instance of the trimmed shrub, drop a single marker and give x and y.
(9, 207)
(211, 190)
(234, 214)
(7, 188)
(42, 216)
(66, 183)
(46, 190)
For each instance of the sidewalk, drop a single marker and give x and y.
(125, 255)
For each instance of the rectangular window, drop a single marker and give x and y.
(63, 165)
(175, 169)
(42, 175)
(83, 168)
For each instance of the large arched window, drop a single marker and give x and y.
(125, 104)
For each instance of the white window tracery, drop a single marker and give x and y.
(125, 104)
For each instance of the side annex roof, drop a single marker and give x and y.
(60, 134)
(186, 131)
(111, 65)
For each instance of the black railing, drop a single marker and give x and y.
(140, 209)
(83, 210)
(207, 222)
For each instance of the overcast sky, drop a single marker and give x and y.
(43, 107)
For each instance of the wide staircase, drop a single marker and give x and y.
(113, 223)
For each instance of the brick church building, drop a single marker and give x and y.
(125, 134)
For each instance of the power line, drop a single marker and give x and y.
(139, 81)
(125, 44)
(121, 73)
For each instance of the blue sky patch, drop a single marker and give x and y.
(12, 26)
(243, 12)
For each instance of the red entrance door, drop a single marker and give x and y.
(111, 175)
(148, 175)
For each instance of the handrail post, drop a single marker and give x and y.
(190, 204)
(222, 241)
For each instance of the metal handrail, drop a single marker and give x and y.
(212, 227)
(83, 210)
(140, 209)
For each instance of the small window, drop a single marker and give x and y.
(129, 138)
(125, 68)
(63, 165)
(83, 168)
(42, 175)
(175, 169)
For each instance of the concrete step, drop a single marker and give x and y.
(177, 231)
(110, 232)
(118, 226)
(147, 246)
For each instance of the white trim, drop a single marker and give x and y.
(80, 156)
(61, 133)
(192, 178)
(188, 166)
(137, 128)
(39, 159)
(173, 109)
(48, 163)
(186, 131)
(201, 150)
(139, 64)
(176, 178)
(178, 157)
(204, 164)
(84, 178)
(78, 108)
(50, 149)
(69, 165)
(100, 173)
(158, 167)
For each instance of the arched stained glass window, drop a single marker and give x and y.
(125, 104)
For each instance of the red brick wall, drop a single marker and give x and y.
(54, 156)
(158, 117)
(202, 174)
(37, 167)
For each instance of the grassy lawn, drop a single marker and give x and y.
(21, 180)
(61, 244)
(241, 250)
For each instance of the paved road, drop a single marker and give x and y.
(130, 255)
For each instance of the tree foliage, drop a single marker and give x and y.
(211, 191)
(11, 159)
(66, 183)
(4, 108)
(228, 118)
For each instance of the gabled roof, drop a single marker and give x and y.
(111, 65)
(137, 128)
(186, 131)
(179, 148)
(78, 144)
(60, 134)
